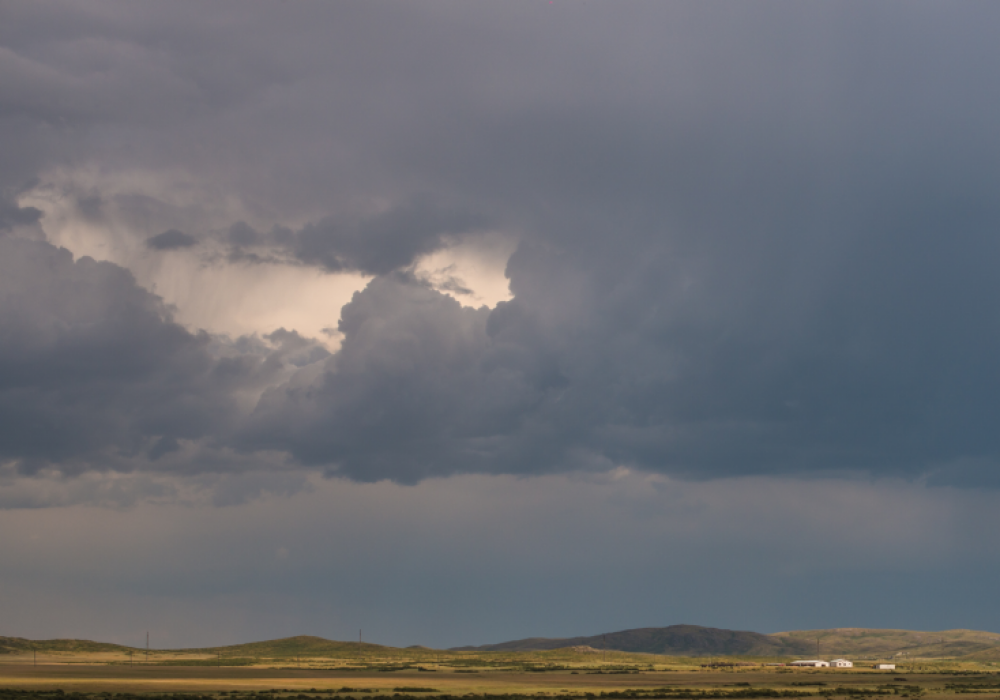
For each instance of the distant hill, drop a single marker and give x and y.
(302, 645)
(991, 655)
(857, 641)
(676, 640)
(19, 645)
(288, 647)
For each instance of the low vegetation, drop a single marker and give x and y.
(312, 668)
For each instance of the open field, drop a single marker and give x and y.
(740, 682)
(667, 645)
(560, 674)
(313, 668)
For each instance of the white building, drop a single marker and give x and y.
(817, 663)
(886, 667)
(841, 663)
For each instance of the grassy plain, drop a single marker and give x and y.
(310, 669)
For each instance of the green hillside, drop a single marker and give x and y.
(303, 645)
(861, 642)
(991, 655)
(19, 645)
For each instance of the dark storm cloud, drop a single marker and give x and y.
(374, 245)
(171, 239)
(93, 370)
(786, 284)
(408, 395)
(382, 243)
(12, 215)
(754, 239)
(424, 387)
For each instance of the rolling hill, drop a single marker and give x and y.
(302, 645)
(676, 640)
(19, 645)
(288, 647)
(691, 640)
(856, 641)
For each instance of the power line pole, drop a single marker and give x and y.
(147, 647)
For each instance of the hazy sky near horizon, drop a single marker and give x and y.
(464, 321)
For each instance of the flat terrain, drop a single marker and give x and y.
(241, 682)
(313, 668)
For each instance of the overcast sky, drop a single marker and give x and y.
(467, 321)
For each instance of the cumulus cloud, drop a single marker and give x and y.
(572, 374)
(734, 259)
(94, 373)
(409, 365)
(89, 362)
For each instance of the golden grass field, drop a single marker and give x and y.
(541, 674)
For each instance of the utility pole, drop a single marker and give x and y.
(34, 656)
(147, 648)
(817, 647)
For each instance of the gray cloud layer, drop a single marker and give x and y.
(755, 239)
(376, 245)
(93, 369)
(171, 239)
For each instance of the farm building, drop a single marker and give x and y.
(817, 663)
(841, 663)
(886, 667)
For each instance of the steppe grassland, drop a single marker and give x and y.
(560, 672)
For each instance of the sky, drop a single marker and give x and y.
(460, 322)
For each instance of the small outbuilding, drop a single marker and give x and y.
(816, 663)
(841, 663)
(886, 667)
